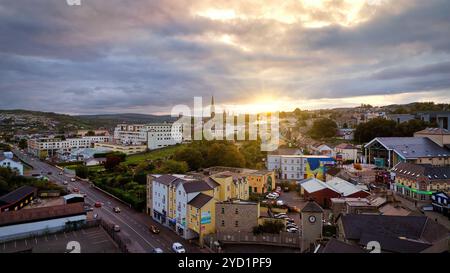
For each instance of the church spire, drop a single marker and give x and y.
(213, 109)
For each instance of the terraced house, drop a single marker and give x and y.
(419, 181)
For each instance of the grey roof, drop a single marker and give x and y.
(212, 183)
(166, 179)
(200, 200)
(336, 246)
(17, 194)
(395, 233)
(196, 186)
(312, 206)
(413, 147)
(434, 131)
(286, 151)
(427, 171)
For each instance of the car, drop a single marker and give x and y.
(116, 210)
(73, 180)
(116, 228)
(272, 196)
(154, 229)
(76, 190)
(98, 205)
(158, 250)
(292, 230)
(49, 173)
(280, 203)
(88, 208)
(278, 190)
(178, 248)
(65, 183)
(60, 173)
(291, 226)
(84, 194)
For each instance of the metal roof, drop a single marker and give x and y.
(17, 194)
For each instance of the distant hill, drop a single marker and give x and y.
(128, 118)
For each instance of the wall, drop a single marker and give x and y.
(247, 217)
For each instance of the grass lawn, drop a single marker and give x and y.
(153, 155)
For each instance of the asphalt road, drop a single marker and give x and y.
(133, 224)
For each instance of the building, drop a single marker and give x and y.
(154, 135)
(126, 149)
(441, 119)
(312, 224)
(231, 185)
(236, 216)
(298, 167)
(17, 199)
(34, 222)
(7, 160)
(346, 134)
(419, 181)
(261, 182)
(83, 133)
(441, 203)
(439, 136)
(389, 151)
(322, 193)
(346, 152)
(395, 234)
(49, 147)
(322, 149)
(334, 246)
(201, 211)
(400, 118)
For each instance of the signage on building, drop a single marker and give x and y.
(206, 218)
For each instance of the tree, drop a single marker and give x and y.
(323, 128)
(82, 171)
(407, 129)
(173, 167)
(90, 133)
(193, 157)
(378, 127)
(23, 144)
(112, 161)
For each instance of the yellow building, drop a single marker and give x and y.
(261, 181)
(201, 215)
(231, 186)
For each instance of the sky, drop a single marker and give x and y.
(123, 56)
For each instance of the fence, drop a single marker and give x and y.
(283, 239)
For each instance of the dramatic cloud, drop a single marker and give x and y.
(146, 56)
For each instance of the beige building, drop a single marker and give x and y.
(236, 216)
(126, 149)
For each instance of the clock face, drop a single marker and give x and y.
(312, 219)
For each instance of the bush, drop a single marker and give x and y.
(82, 172)
(271, 227)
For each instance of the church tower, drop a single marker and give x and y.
(213, 109)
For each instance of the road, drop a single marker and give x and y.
(132, 223)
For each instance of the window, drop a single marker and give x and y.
(236, 211)
(236, 224)
(223, 210)
(223, 223)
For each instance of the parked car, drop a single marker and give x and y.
(60, 173)
(73, 180)
(158, 250)
(98, 205)
(154, 229)
(116, 228)
(280, 203)
(49, 173)
(116, 210)
(178, 248)
(278, 190)
(292, 226)
(272, 196)
(76, 190)
(292, 230)
(65, 183)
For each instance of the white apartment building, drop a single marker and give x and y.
(49, 146)
(295, 167)
(155, 135)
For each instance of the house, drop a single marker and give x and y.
(201, 211)
(438, 135)
(237, 216)
(396, 234)
(33, 222)
(442, 119)
(322, 149)
(389, 151)
(298, 167)
(95, 161)
(346, 134)
(7, 160)
(400, 118)
(17, 199)
(419, 181)
(346, 152)
(322, 192)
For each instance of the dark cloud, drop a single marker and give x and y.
(147, 56)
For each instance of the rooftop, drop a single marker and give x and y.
(40, 214)
(312, 206)
(17, 194)
(427, 171)
(200, 200)
(433, 131)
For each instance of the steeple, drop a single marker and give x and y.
(213, 109)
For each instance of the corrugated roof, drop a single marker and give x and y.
(200, 200)
(313, 185)
(427, 171)
(40, 214)
(343, 187)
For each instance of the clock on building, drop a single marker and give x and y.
(312, 219)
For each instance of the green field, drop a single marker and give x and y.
(163, 153)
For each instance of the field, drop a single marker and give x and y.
(163, 153)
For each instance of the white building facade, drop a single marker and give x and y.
(7, 161)
(155, 135)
